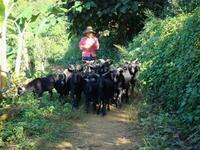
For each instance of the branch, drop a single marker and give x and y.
(26, 24)
(9, 10)
(192, 135)
(17, 27)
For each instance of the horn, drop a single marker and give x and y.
(79, 68)
(105, 74)
(97, 75)
(101, 60)
(71, 68)
(86, 79)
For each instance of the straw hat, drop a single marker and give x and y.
(89, 29)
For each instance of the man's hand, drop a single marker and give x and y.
(86, 47)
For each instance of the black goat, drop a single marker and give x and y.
(39, 85)
(61, 86)
(105, 87)
(75, 83)
(90, 91)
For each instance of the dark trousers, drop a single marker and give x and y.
(88, 58)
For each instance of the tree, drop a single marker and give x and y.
(5, 11)
(22, 22)
(123, 18)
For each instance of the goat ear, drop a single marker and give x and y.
(97, 75)
(124, 67)
(62, 76)
(131, 69)
(109, 61)
(86, 79)
(21, 87)
(66, 71)
(80, 68)
(136, 61)
(120, 70)
(90, 62)
(92, 67)
(101, 60)
(93, 79)
(70, 68)
(85, 64)
(20, 90)
(105, 74)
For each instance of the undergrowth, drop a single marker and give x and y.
(170, 76)
(37, 122)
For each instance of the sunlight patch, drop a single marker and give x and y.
(81, 125)
(121, 141)
(64, 145)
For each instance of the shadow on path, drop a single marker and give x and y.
(93, 132)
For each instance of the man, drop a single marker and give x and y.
(89, 45)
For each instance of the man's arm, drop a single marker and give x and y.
(97, 45)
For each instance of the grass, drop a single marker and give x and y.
(39, 124)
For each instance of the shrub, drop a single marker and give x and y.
(38, 118)
(169, 52)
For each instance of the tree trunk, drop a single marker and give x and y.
(3, 49)
(19, 52)
(26, 59)
(3, 79)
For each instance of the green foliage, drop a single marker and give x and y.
(2, 11)
(45, 37)
(123, 18)
(168, 50)
(39, 119)
(27, 16)
(72, 52)
(174, 7)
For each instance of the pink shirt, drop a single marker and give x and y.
(89, 46)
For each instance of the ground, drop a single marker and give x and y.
(93, 132)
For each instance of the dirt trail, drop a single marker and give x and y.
(94, 132)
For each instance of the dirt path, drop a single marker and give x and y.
(112, 132)
(93, 132)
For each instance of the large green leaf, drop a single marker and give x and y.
(34, 17)
(2, 11)
(43, 26)
(21, 22)
(89, 5)
(57, 10)
(28, 15)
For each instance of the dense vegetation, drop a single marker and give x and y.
(165, 39)
(169, 51)
(122, 19)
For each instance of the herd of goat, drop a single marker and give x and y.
(101, 83)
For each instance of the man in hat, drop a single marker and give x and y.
(89, 45)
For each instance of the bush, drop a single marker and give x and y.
(169, 52)
(38, 119)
